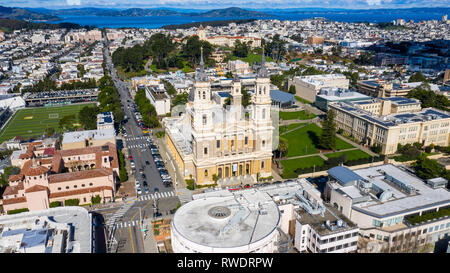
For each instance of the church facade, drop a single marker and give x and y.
(211, 142)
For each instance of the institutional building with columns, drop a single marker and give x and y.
(235, 143)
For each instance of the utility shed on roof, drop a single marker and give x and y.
(344, 175)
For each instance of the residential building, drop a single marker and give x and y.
(314, 40)
(159, 98)
(105, 121)
(224, 40)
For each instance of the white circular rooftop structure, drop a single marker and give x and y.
(245, 222)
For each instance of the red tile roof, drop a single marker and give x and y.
(29, 170)
(14, 200)
(63, 177)
(15, 177)
(36, 188)
(10, 190)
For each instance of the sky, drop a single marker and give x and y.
(211, 4)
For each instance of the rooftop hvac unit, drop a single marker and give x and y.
(339, 223)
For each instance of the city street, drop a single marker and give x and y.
(124, 221)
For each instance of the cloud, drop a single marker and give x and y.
(74, 2)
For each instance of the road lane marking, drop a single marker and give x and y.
(132, 243)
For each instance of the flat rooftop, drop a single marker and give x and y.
(318, 221)
(75, 219)
(335, 94)
(228, 221)
(401, 200)
(97, 134)
(426, 114)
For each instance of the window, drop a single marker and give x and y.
(355, 234)
(264, 113)
(204, 119)
(338, 247)
(340, 238)
(430, 229)
(264, 143)
(83, 185)
(206, 173)
(90, 184)
(218, 143)
(448, 225)
(345, 245)
(331, 249)
(424, 231)
(262, 164)
(442, 226)
(67, 187)
(84, 199)
(59, 188)
(332, 239)
(436, 228)
(205, 150)
(354, 243)
(246, 140)
(75, 186)
(204, 95)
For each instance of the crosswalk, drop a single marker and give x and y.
(142, 145)
(136, 138)
(127, 224)
(119, 213)
(155, 196)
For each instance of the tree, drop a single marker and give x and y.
(240, 49)
(191, 51)
(428, 98)
(277, 80)
(170, 89)
(215, 178)
(327, 139)
(67, 122)
(49, 131)
(336, 50)
(96, 200)
(418, 77)
(88, 117)
(229, 75)
(246, 97)
(180, 99)
(427, 168)
(283, 146)
(292, 89)
(365, 58)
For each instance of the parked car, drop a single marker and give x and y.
(138, 190)
(146, 190)
(137, 184)
(147, 162)
(156, 190)
(145, 183)
(143, 176)
(130, 157)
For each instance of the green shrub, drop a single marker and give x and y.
(428, 216)
(55, 204)
(96, 199)
(160, 134)
(15, 211)
(190, 184)
(71, 202)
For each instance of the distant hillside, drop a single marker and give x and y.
(139, 12)
(9, 25)
(230, 12)
(209, 23)
(23, 14)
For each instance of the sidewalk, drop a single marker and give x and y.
(171, 165)
(149, 238)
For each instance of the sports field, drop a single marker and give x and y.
(32, 122)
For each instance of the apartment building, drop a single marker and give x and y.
(314, 40)
(105, 121)
(382, 201)
(208, 140)
(88, 138)
(308, 87)
(426, 126)
(67, 174)
(159, 98)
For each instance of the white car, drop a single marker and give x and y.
(139, 191)
(138, 184)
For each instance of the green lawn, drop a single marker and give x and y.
(285, 128)
(351, 155)
(304, 141)
(251, 58)
(302, 100)
(301, 115)
(290, 165)
(31, 122)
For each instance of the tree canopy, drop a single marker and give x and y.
(327, 139)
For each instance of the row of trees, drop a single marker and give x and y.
(109, 99)
(147, 110)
